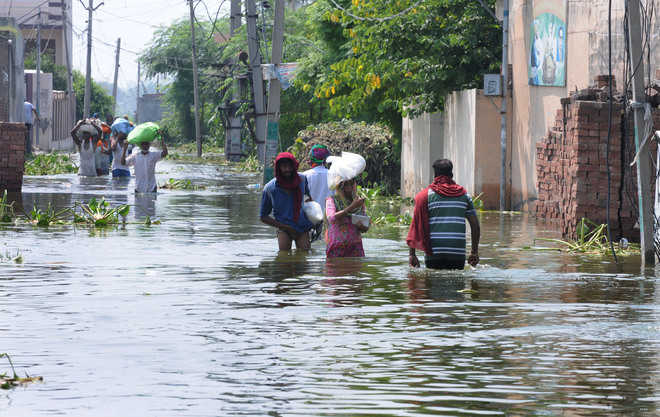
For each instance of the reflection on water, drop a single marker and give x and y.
(201, 316)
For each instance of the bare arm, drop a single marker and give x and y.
(272, 222)
(347, 211)
(163, 153)
(475, 232)
(123, 153)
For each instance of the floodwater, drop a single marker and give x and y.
(200, 316)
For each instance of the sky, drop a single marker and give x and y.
(135, 22)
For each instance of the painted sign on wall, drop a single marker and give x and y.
(547, 57)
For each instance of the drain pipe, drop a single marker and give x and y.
(503, 111)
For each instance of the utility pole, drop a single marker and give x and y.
(114, 83)
(273, 136)
(69, 78)
(644, 193)
(137, 100)
(503, 110)
(257, 79)
(88, 76)
(198, 137)
(233, 150)
(36, 130)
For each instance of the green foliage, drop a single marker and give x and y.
(50, 164)
(373, 142)
(592, 239)
(249, 164)
(45, 218)
(99, 102)
(384, 209)
(478, 202)
(174, 184)
(6, 209)
(378, 70)
(100, 214)
(47, 65)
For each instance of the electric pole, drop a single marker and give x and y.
(257, 79)
(69, 78)
(36, 130)
(88, 76)
(273, 136)
(198, 137)
(644, 193)
(233, 150)
(137, 100)
(114, 83)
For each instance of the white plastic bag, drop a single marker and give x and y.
(313, 211)
(344, 168)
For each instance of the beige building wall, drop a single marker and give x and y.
(534, 107)
(468, 133)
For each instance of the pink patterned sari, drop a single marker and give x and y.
(342, 237)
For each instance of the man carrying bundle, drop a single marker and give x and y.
(438, 224)
(144, 162)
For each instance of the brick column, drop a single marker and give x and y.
(12, 156)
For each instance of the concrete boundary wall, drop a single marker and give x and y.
(468, 133)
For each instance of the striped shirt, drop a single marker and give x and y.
(447, 224)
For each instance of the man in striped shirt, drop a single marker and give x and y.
(438, 225)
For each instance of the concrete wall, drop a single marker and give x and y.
(587, 56)
(467, 133)
(12, 87)
(150, 108)
(45, 110)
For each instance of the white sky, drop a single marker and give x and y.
(134, 21)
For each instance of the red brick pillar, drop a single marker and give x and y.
(12, 156)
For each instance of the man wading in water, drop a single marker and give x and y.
(283, 196)
(438, 224)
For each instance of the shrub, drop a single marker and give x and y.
(373, 142)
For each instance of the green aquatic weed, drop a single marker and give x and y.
(8, 382)
(100, 214)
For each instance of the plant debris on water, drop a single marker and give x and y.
(8, 257)
(100, 214)
(174, 184)
(6, 209)
(50, 164)
(45, 218)
(592, 240)
(382, 209)
(10, 381)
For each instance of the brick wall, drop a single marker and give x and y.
(571, 167)
(12, 156)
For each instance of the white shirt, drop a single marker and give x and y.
(116, 158)
(145, 170)
(317, 178)
(27, 111)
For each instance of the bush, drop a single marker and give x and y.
(373, 142)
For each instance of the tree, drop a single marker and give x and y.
(169, 55)
(405, 65)
(100, 101)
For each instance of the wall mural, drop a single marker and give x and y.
(547, 58)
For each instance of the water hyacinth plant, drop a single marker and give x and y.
(100, 214)
(45, 218)
(50, 164)
(6, 209)
(174, 184)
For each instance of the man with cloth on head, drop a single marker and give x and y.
(438, 224)
(317, 177)
(283, 197)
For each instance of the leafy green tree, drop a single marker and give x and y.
(170, 55)
(389, 67)
(48, 65)
(99, 101)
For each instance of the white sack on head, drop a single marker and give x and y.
(347, 167)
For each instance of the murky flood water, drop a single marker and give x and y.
(199, 316)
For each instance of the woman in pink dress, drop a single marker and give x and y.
(344, 238)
